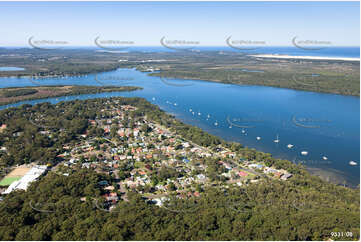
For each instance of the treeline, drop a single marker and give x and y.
(302, 208)
(54, 209)
(328, 82)
(16, 94)
(19, 92)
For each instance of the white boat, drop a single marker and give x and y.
(243, 131)
(324, 158)
(193, 113)
(215, 123)
(153, 98)
(258, 138)
(230, 127)
(289, 146)
(277, 140)
(304, 152)
(175, 104)
(208, 116)
(190, 110)
(199, 114)
(352, 163)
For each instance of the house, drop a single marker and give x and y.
(277, 174)
(242, 174)
(148, 167)
(3, 126)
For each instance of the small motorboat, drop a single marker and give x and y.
(277, 140)
(304, 152)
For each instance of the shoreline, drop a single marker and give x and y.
(304, 57)
(330, 176)
(95, 90)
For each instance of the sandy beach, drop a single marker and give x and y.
(305, 57)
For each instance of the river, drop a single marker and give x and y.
(326, 126)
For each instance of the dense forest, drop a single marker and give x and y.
(16, 94)
(61, 207)
(330, 76)
(52, 209)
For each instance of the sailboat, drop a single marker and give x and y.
(277, 140)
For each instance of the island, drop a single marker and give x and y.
(17, 94)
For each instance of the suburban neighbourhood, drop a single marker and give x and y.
(142, 156)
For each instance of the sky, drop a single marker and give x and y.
(208, 23)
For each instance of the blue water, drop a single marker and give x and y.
(346, 52)
(328, 51)
(330, 124)
(9, 68)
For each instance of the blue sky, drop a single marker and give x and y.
(209, 23)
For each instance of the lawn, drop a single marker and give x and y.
(8, 180)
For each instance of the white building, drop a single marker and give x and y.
(25, 181)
